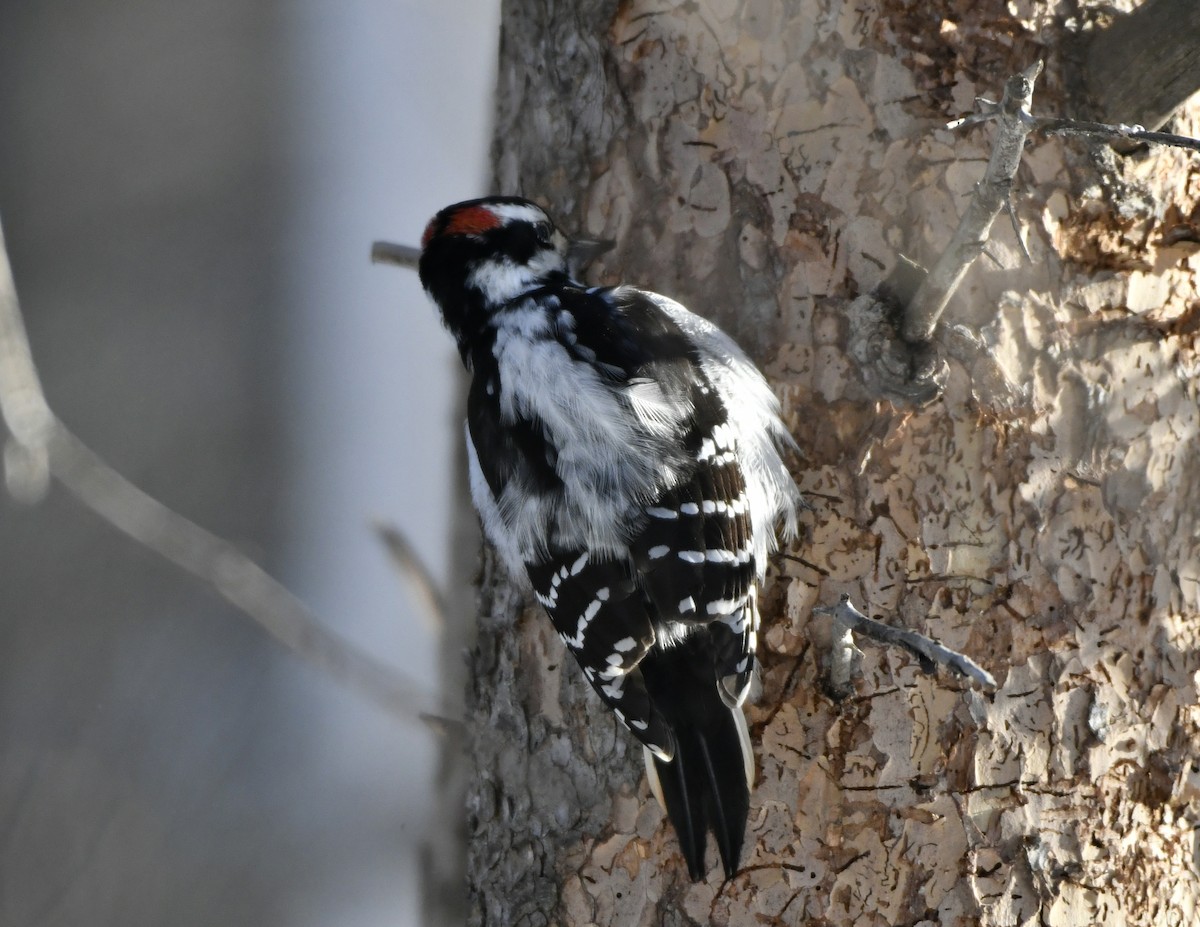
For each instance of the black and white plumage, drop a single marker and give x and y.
(624, 459)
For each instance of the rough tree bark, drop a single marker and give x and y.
(1142, 66)
(765, 162)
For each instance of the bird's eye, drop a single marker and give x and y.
(542, 231)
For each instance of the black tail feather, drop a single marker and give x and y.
(685, 807)
(705, 785)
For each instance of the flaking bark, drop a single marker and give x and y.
(766, 162)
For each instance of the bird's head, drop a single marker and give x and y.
(478, 255)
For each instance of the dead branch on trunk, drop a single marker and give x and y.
(992, 194)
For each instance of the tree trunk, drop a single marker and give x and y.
(1143, 66)
(765, 162)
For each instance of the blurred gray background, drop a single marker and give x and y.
(189, 191)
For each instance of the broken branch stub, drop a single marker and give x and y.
(908, 375)
(848, 620)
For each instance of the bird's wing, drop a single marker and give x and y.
(602, 619)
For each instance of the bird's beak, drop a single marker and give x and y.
(582, 251)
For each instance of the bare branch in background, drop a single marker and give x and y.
(387, 252)
(412, 568)
(40, 443)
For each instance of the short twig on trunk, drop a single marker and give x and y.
(848, 620)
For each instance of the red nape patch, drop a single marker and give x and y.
(471, 221)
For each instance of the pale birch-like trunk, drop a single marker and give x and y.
(765, 162)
